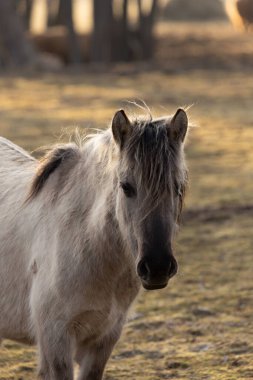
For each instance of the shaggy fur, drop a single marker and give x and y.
(157, 174)
(72, 242)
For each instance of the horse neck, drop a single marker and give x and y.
(101, 180)
(101, 222)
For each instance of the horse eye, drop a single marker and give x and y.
(128, 189)
(179, 190)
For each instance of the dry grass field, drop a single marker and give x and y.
(200, 326)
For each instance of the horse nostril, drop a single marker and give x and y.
(143, 269)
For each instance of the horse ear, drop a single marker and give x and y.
(121, 127)
(178, 125)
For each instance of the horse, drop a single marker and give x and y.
(240, 13)
(82, 230)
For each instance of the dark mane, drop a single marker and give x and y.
(53, 160)
(157, 159)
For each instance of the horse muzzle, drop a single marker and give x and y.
(153, 286)
(156, 277)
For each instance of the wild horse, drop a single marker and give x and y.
(80, 231)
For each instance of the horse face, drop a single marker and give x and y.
(156, 263)
(151, 176)
(149, 236)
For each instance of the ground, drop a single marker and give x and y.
(200, 326)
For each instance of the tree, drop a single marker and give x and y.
(102, 38)
(147, 21)
(61, 13)
(66, 13)
(15, 49)
(114, 39)
(24, 9)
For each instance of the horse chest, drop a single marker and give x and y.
(109, 310)
(92, 325)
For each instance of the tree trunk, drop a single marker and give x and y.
(54, 15)
(102, 37)
(66, 17)
(24, 9)
(28, 12)
(61, 13)
(120, 50)
(15, 49)
(146, 29)
(113, 38)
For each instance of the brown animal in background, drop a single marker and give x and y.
(55, 41)
(240, 13)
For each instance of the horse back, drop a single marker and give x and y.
(11, 153)
(17, 168)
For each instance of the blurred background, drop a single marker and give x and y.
(50, 34)
(73, 63)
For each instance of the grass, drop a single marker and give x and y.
(201, 325)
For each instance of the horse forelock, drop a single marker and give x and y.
(157, 160)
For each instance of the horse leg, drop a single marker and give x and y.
(92, 359)
(44, 369)
(55, 358)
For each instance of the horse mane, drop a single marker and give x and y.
(55, 158)
(157, 159)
